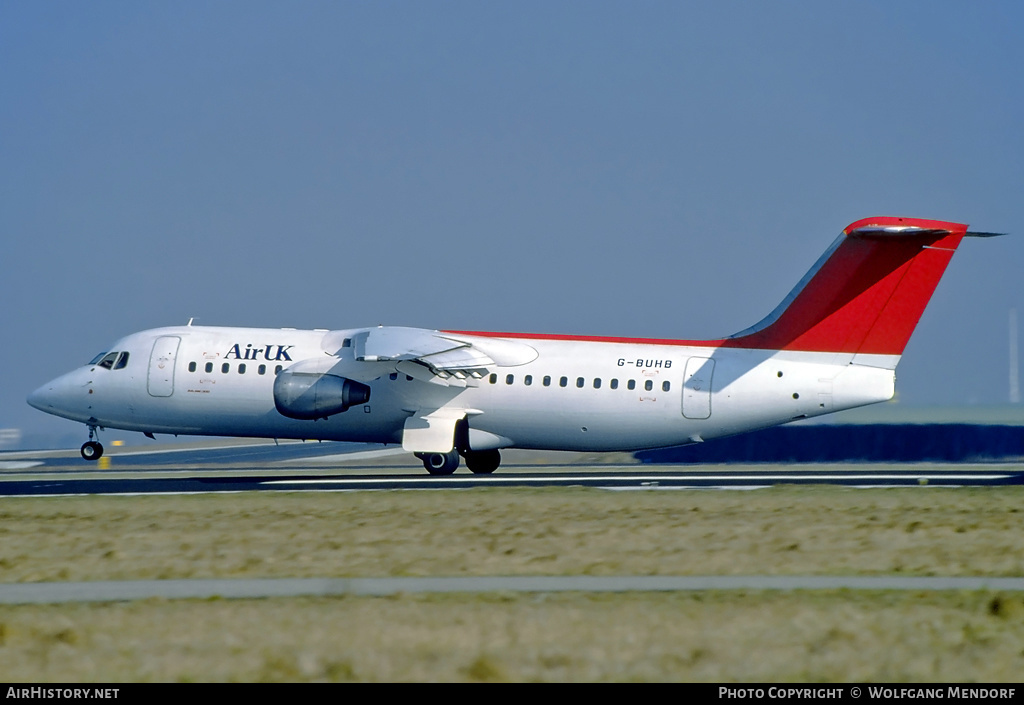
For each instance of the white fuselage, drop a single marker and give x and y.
(573, 395)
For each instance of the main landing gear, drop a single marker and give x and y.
(482, 462)
(479, 462)
(440, 463)
(92, 450)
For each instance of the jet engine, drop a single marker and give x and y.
(309, 396)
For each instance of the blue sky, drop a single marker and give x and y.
(662, 169)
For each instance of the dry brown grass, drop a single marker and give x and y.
(863, 637)
(786, 530)
(826, 636)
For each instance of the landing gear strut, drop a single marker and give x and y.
(440, 463)
(92, 450)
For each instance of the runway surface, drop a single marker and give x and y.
(117, 591)
(297, 466)
(616, 478)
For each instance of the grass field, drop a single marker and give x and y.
(732, 636)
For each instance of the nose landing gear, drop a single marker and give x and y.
(92, 450)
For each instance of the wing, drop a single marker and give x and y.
(450, 360)
(428, 355)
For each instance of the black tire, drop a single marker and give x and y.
(441, 463)
(482, 462)
(92, 450)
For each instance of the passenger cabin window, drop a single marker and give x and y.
(277, 369)
(224, 368)
(579, 382)
(648, 385)
(665, 386)
(493, 378)
(597, 383)
(191, 367)
(563, 381)
(631, 384)
(509, 379)
(262, 369)
(241, 368)
(614, 384)
(528, 380)
(547, 380)
(209, 367)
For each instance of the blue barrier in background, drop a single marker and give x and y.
(865, 443)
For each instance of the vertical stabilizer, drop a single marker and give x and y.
(866, 293)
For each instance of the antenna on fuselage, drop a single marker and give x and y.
(190, 321)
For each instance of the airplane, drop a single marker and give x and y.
(832, 344)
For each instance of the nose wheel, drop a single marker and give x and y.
(92, 449)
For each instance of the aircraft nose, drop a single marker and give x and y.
(58, 396)
(42, 398)
(67, 396)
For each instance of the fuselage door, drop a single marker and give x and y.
(161, 366)
(697, 387)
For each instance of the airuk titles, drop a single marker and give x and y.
(271, 353)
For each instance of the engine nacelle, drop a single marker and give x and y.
(307, 396)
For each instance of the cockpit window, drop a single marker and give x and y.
(97, 358)
(108, 361)
(121, 361)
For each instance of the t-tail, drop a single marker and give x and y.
(866, 294)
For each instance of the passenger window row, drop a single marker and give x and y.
(226, 367)
(581, 382)
(546, 381)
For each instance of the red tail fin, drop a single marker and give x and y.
(867, 292)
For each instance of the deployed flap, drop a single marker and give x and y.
(438, 354)
(422, 372)
(431, 432)
(463, 358)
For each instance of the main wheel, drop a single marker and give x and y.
(483, 462)
(441, 463)
(92, 450)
